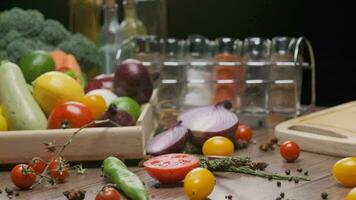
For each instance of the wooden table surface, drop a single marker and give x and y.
(240, 186)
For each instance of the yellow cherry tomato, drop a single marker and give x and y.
(218, 146)
(96, 104)
(199, 183)
(345, 171)
(351, 195)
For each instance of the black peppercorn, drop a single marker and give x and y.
(324, 195)
(306, 173)
(300, 170)
(278, 184)
(282, 195)
(296, 181)
(287, 172)
(278, 198)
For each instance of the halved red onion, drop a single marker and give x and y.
(208, 121)
(169, 141)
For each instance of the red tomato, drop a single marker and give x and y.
(170, 168)
(59, 169)
(108, 193)
(23, 176)
(243, 132)
(70, 115)
(37, 164)
(290, 151)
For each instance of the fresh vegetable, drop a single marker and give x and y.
(199, 183)
(106, 94)
(78, 76)
(23, 176)
(120, 117)
(3, 123)
(58, 57)
(133, 79)
(244, 165)
(208, 121)
(124, 179)
(20, 109)
(243, 132)
(344, 171)
(37, 164)
(170, 168)
(218, 146)
(108, 193)
(59, 174)
(96, 104)
(23, 31)
(169, 141)
(103, 81)
(351, 195)
(129, 105)
(53, 88)
(69, 115)
(290, 151)
(35, 64)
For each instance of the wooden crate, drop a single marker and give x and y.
(90, 144)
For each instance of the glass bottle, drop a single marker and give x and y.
(110, 37)
(84, 17)
(131, 24)
(228, 71)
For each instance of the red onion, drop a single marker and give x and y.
(103, 81)
(169, 141)
(208, 121)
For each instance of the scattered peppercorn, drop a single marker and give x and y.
(282, 195)
(306, 173)
(278, 184)
(278, 198)
(0, 191)
(17, 194)
(287, 171)
(300, 170)
(296, 181)
(270, 178)
(290, 179)
(324, 195)
(229, 197)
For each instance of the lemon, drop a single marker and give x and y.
(53, 88)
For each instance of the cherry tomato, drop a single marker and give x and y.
(23, 176)
(59, 169)
(243, 132)
(218, 146)
(69, 115)
(37, 164)
(351, 195)
(170, 168)
(290, 151)
(108, 193)
(199, 183)
(96, 104)
(344, 171)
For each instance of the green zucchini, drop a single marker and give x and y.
(20, 108)
(124, 179)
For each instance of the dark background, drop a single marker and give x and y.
(329, 25)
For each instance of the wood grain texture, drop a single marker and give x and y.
(331, 131)
(241, 187)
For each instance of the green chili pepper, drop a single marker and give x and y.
(124, 179)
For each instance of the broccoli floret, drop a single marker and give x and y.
(53, 32)
(16, 49)
(83, 49)
(26, 22)
(3, 55)
(8, 38)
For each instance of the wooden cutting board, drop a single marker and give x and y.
(331, 131)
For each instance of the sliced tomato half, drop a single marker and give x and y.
(170, 168)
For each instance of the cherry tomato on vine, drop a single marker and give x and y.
(69, 115)
(344, 171)
(170, 168)
(37, 164)
(96, 104)
(218, 146)
(108, 193)
(59, 169)
(199, 183)
(243, 132)
(23, 176)
(290, 151)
